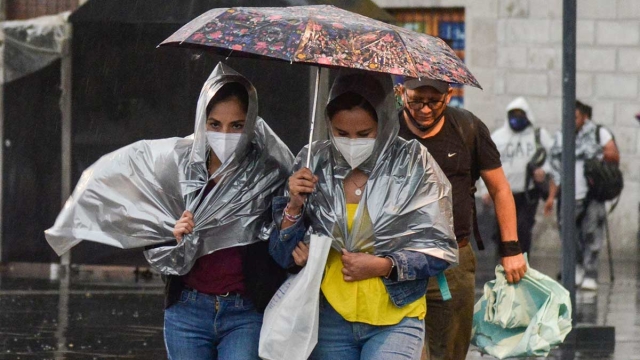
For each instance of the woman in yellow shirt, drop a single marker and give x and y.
(387, 207)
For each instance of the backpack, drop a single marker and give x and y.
(465, 122)
(604, 179)
(537, 160)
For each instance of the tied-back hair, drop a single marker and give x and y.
(349, 101)
(229, 91)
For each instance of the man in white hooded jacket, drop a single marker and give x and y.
(524, 153)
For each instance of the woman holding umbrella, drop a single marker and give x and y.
(387, 207)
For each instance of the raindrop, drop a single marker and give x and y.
(135, 314)
(70, 345)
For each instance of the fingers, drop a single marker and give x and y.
(515, 268)
(346, 258)
(515, 276)
(305, 174)
(184, 225)
(187, 218)
(301, 186)
(347, 275)
(548, 209)
(301, 254)
(304, 247)
(302, 182)
(509, 277)
(297, 258)
(180, 230)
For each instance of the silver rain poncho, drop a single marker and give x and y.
(406, 203)
(133, 196)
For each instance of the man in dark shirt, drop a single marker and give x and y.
(426, 118)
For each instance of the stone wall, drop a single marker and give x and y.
(514, 47)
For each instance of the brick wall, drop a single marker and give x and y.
(514, 47)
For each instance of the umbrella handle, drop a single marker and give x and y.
(313, 115)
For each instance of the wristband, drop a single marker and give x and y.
(393, 266)
(291, 218)
(509, 248)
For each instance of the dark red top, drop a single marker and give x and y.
(218, 273)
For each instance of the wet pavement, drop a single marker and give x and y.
(94, 313)
(114, 313)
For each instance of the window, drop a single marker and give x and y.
(447, 24)
(26, 9)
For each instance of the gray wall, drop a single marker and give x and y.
(514, 47)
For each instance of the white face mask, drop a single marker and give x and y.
(355, 151)
(223, 144)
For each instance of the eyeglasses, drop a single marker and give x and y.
(419, 105)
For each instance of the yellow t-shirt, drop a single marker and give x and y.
(365, 301)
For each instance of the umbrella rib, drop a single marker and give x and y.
(364, 47)
(406, 48)
(305, 35)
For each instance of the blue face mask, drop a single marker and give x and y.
(518, 123)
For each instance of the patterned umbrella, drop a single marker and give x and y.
(322, 35)
(326, 36)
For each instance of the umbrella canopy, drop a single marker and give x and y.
(326, 36)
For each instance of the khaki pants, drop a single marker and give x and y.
(448, 323)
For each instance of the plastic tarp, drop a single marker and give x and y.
(132, 197)
(31, 45)
(406, 202)
(524, 319)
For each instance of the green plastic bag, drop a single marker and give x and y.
(524, 319)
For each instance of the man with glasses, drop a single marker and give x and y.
(444, 131)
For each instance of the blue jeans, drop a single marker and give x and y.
(202, 327)
(340, 339)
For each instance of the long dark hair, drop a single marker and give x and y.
(348, 101)
(228, 91)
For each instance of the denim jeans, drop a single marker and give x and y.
(203, 327)
(589, 233)
(340, 339)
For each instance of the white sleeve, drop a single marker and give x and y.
(546, 140)
(555, 165)
(605, 136)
